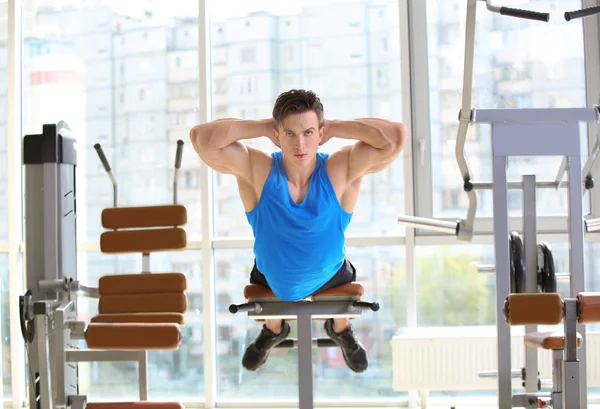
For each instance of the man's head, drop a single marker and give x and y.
(298, 124)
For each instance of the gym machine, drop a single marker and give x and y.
(523, 266)
(340, 302)
(136, 312)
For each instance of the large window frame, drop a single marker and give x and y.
(417, 173)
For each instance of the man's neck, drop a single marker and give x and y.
(298, 176)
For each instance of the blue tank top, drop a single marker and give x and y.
(298, 247)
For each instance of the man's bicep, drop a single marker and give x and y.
(364, 159)
(234, 159)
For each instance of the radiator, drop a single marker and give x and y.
(452, 363)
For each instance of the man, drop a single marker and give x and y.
(299, 202)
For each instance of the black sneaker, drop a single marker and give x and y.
(258, 351)
(353, 351)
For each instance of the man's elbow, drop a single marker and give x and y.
(397, 139)
(200, 140)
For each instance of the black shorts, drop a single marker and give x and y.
(346, 274)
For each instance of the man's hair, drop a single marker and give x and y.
(296, 101)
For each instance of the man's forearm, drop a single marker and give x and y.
(221, 133)
(379, 133)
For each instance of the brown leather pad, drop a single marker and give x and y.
(132, 303)
(142, 283)
(143, 241)
(144, 216)
(348, 289)
(138, 336)
(589, 307)
(257, 291)
(534, 308)
(549, 340)
(134, 405)
(157, 317)
(353, 289)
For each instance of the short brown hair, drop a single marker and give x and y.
(296, 101)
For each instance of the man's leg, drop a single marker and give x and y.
(273, 333)
(341, 331)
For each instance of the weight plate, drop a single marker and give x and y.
(517, 264)
(546, 272)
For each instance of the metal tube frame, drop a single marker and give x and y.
(513, 137)
(531, 285)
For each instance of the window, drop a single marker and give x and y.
(504, 78)
(145, 94)
(342, 91)
(219, 55)
(220, 85)
(5, 359)
(131, 121)
(248, 86)
(191, 179)
(5, 324)
(379, 269)
(182, 366)
(248, 54)
(290, 54)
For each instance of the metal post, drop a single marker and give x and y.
(502, 280)
(530, 245)
(143, 374)
(43, 382)
(557, 379)
(573, 383)
(576, 257)
(305, 375)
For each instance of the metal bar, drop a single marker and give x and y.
(429, 224)
(561, 172)
(320, 309)
(532, 115)
(305, 375)
(545, 184)
(15, 199)
(467, 90)
(143, 374)
(576, 257)
(99, 355)
(486, 268)
(516, 373)
(592, 225)
(502, 281)
(531, 285)
(146, 263)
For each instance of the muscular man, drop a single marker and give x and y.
(299, 202)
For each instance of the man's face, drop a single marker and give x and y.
(299, 136)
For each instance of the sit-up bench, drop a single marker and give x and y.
(344, 301)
